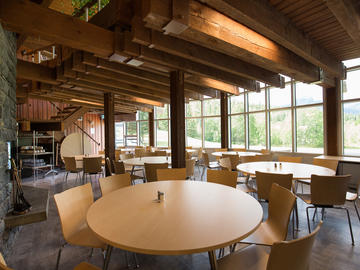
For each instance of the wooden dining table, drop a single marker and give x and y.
(299, 170)
(240, 154)
(194, 217)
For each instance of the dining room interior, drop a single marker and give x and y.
(179, 134)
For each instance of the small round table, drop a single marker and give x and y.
(240, 154)
(299, 170)
(194, 217)
(141, 161)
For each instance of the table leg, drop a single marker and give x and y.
(212, 259)
(132, 170)
(107, 257)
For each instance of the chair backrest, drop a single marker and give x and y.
(161, 153)
(265, 157)
(72, 206)
(148, 148)
(126, 156)
(223, 177)
(171, 174)
(188, 155)
(330, 164)
(264, 183)
(149, 154)
(200, 153)
(205, 157)
(281, 203)
(265, 151)
(139, 152)
(114, 182)
(220, 150)
(246, 159)
(108, 165)
(239, 149)
(294, 254)
(3, 265)
(150, 170)
(190, 167)
(234, 159)
(188, 147)
(101, 152)
(92, 164)
(329, 190)
(119, 167)
(117, 154)
(225, 164)
(70, 164)
(290, 159)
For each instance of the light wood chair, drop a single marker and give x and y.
(139, 152)
(290, 159)
(117, 154)
(150, 170)
(70, 167)
(188, 155)
(353, 196)
(190, 168)
(72, 206)
(160, 153)
(265, 157)
(208, 165)
(225, 164)
(264, 183)
(3, 265)
(149, 154)
(239, 149)
(119, 167)
(188, 147)
(114, 182)
(171, 174)
(247, 159)
(327, 192)
(265, 151)
(275, 228)
(86, 266)
(234, 159)
(101, 152)
(92, 166)
(294, 255)
(220, 150)
(223, 177)
(126, 156)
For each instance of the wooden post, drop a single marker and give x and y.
(332, 120)
(224, 120)
(177, 119)
(151, 129)
(109, 127)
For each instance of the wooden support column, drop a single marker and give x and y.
(332, 120)
(177, 119)
(224, 120)
(151, 129)
(109, 127)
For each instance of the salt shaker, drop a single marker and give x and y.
(161, 196)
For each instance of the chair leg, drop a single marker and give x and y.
(59, 255)
(307, 216)
(349, 221)
(203, 172)
(91, 252)
(67, 173)
(315, 212)
(107, 257)
(127, 259)
(137, 265)
(356, 209)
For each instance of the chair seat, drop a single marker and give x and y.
(85, 237)
(264, 235)
(86, 266)
(246, 188)
(304, 181)
(305, 197)
(250, 258)
(350, 196)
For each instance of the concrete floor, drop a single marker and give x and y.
(36, 245)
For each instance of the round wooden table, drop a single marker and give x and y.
(240, 154)
(299, 170)
(194, 217)
(140, 161)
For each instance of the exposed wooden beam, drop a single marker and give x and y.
(259, 15)
(35, 72)
(29, 18)
(203, 55)
(210, 28)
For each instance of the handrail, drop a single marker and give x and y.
(87, 134)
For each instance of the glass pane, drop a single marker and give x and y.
(162, 112)
(131, 128)
(351, 128)
(352, 62)
(256, 101)
(193, 108)
(162, 133)
(237, 130)
(211, 107)
(142, 115)
(309, 129)
(193, 132)
(308, 93)
(236, 104)
(257, 138)
(351, 86)
(280, 125)
(212, 132)
(279, 97)
(119, 134)
(144, 133)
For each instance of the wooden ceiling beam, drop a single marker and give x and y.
(32, 19)
(203, 55)
(259, 15)
(35, 72)
(210, 28)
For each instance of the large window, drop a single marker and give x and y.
(212, 132)
(162, 126)
(280, 130)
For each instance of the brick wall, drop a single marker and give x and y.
(7, 127)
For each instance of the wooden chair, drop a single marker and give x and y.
(327, 192)
(207, 164)
(139, 152)
(86, 266)
(290, 159)
(3, 265)
(294, 255)
(91, 166)
(265, 157)
(220, 150)
(114, 182)
(275, 228)
(70, 167)
(190, 168)
(150, 170)
(149, 154)
(264, 183)
(234, 159)
(353, 196)
(265, 151)
(223, 177)
(126, 156)
(188, 155)
(171, 174)
(72, 206)
(239, 149)
(117, 154)
(225, 164)
(188, 147)
(101, 152)
(160, 153)
(119, 168)
(247, 159)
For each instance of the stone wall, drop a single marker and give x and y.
(7, 127)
